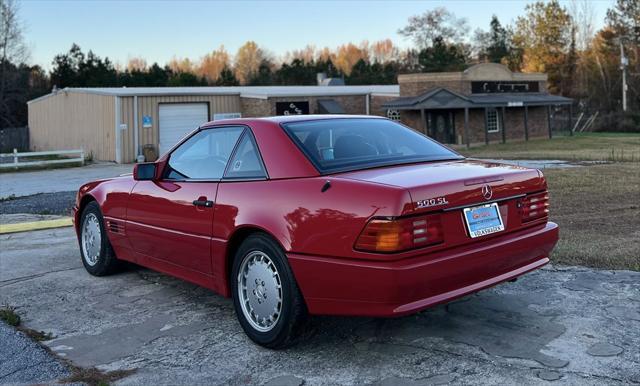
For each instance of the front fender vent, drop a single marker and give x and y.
(115, 227)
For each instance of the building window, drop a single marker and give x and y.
(394, 115)
(493, 121)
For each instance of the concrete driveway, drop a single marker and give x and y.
(57, 180)
(572, 325)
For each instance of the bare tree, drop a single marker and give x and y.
(212, 64)
(136, 63)
(247, 61)
(582, 14)
(307, 54)
(436, 23)
(349, 54)
(13, 52)
(384, 51)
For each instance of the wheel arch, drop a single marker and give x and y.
(84, 201)
(236, 239)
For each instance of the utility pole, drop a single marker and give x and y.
(623, 66)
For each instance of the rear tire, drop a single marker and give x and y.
(97, 254)
(265, 294)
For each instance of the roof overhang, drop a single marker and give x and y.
(256, 92)
(330, 106)
(441, 98)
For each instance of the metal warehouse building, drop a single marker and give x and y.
(119, 124)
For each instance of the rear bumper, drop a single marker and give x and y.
(333, 286)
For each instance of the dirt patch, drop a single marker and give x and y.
(95, 377)
(598, 210)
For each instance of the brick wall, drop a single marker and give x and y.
(375, 105)
(513, 121)
(413, 119)
(420, 87)
(253, 107)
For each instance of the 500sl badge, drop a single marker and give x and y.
(437, 201)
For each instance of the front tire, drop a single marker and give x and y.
(266, 297)
(98, 257)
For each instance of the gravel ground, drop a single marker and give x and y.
(59, 203)
(22, 361)
(27, 183)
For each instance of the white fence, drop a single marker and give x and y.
(17, 163)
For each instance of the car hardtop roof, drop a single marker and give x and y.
(288, 118)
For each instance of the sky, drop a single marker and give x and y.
(160, 30)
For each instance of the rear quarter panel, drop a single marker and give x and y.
(300, 217)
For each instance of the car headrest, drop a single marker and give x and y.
(350, 146)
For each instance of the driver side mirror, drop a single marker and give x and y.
(144, 171)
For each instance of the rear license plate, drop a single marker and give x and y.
(483, 220)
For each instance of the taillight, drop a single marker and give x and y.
(382, 235)
(534, 206)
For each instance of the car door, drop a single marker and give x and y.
(171, 219)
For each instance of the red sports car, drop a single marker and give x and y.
(298, 215)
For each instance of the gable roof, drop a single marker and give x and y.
(442, 98)
(437, 98)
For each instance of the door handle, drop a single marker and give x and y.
(205, 203)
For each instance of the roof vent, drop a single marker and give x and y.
(320, 77)
(332, 82)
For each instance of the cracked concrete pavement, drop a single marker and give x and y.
(567, 325)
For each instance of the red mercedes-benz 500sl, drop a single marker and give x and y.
(339, 215)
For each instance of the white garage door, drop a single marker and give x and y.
(179, 119)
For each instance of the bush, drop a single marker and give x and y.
(628, 122)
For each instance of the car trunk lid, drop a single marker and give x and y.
(452, 184)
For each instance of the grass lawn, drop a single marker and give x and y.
(619, 147)
(598, 210)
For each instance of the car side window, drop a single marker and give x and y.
(246, 162)
(204, 155)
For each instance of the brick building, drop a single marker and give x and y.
(485, 103)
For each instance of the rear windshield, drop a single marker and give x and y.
(334, 145)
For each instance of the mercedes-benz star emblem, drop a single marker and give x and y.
(487, 192)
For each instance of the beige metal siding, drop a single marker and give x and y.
(148, 105)
(127, 152)
(74, 120)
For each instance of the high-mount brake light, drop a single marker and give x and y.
(401, 234)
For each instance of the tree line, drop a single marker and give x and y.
(581, 63)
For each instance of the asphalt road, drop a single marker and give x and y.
(571, 325)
